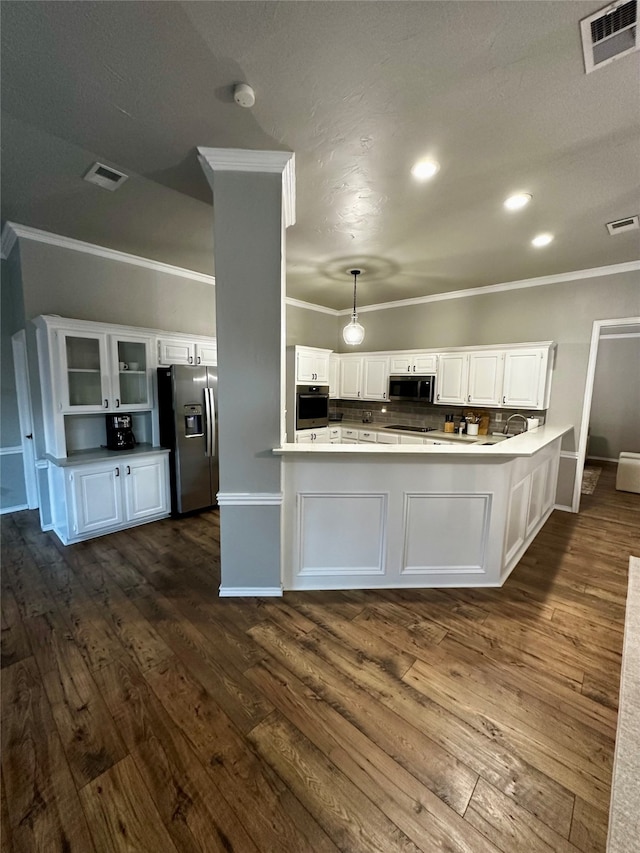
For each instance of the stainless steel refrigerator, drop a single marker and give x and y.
(187, 401)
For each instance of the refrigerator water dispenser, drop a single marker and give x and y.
(193, 421)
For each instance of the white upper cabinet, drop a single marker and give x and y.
(364, 377)
(187, 351)
(418, 363)
(375, 377)
(452, 379)
(101, 372)
(312, 365)
(351, 377)
(486, 371)
(525, 378)
(334, 375)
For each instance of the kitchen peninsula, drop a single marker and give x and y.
(362, 516)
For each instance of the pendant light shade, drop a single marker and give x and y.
(353, 332)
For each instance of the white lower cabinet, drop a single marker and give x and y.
(313, 436)
(111, 495)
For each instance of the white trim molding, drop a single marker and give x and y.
(28, 233)
(560, 278)
(244, 160)
(250, 592)
(9, 509)
(298, 303)
(250, 498)
(10, 451)
(8, 240)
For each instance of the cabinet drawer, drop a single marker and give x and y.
(350, 433)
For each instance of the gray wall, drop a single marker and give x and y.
(12, 486)
(311, 328)
(615, 408)
(88, 287)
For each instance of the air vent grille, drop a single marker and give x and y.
(105, 176)
(609, 34)
(611, 23)
(630, 223)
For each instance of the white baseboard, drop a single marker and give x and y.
(599, 459)
(563, 508)
(9, 509)
(250, 592)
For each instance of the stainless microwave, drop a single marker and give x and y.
(417, 389)
(312, 406)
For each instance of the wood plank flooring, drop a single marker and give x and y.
(140, 712)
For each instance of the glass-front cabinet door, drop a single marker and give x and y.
(130, 370)
(84, 380)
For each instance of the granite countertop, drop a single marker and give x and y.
(102, 454)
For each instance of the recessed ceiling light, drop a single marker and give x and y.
(517, 201)
(542, 240)
(424, 169)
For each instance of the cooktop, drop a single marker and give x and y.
(411, 428)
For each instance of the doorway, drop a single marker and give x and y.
(621, 327)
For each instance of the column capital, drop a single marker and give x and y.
(215, 160)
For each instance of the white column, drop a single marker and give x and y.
(253, 204)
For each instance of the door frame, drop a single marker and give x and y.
(596, 334)
(25, 416)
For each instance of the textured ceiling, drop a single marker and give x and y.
(495, 91)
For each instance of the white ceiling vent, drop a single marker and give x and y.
(630, 223)
(609, 34)
(105, 176)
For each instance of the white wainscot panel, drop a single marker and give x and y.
(516, 522)
(445, 533)
(537, 495)
(341, 533)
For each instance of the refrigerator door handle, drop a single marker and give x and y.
(209, 404)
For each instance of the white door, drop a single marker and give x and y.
(524, 375)
(453, 374)
(145, 487)
(206, 353)
(376, 378)
(485, 378)
(400, 364)
(173, 351)
(25, 417)
(131, 373)
(350, 378)
(334, 376)
(96, 498)
(84, 372)
(425, 363)
(305, 365)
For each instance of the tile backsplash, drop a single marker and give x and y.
(422, 414)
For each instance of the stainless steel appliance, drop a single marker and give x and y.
(312, 406)
(415, 388)
(119, 432)
(187, 401)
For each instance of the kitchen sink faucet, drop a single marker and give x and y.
(510, 418)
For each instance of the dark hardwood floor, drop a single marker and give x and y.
(140, 712)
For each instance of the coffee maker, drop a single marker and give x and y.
(119, 432)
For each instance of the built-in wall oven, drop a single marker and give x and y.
(312, 406)
(418, 389)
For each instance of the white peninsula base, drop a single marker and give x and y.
(361, 518)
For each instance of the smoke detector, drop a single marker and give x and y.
(629, 223)
(244, 95)
(105, 177)
(610, 34)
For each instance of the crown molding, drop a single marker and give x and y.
(242, 160)
(8, 240)
(560, 278)
(298, 303)
(28, 233)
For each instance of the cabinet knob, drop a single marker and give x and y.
(106, 404)
(117, 403)
(190, 359)
(199, 360)
(469, 398)
(117, 472)
(128, 469)
(504, 399)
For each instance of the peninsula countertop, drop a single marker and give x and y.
(524, 444)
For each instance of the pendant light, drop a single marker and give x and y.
(353, 332)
